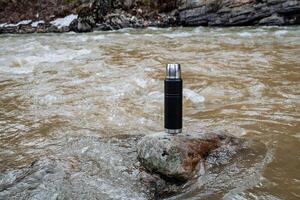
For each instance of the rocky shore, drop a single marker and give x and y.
(88, 15)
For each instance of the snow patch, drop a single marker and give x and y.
(35, 24)
(24, 22)
(63, 22)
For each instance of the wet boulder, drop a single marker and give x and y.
(176, 156)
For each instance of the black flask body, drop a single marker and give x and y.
(173, 105)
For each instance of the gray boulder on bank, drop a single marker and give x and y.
(239, 12)
(176, 156)
(272, 20)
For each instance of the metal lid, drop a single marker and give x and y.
(173, 71)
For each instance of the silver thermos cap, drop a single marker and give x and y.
(173, 71)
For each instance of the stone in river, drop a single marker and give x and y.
(176, 156)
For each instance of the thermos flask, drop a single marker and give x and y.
(173, 99)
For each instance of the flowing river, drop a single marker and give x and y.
(72, 107)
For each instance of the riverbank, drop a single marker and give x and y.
(89, 15)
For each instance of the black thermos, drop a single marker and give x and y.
(173, 99)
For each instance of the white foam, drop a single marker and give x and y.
(71, 33)
(153, 28)
(177, 35)
(297, 135)
(25, 64)
(99, 37)
(17, 66)
(257, 89)
(148, 35)
(57, 56)
(245, 34)
(198, 29)
(79, 38)
(156, 95)
(141, 82)
(35, 24)
(281, 32)
(47, 99)
(125, 29)
(193, 96)
(63, 22)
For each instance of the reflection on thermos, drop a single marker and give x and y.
(173, 99)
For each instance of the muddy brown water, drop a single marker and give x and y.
(72, 107)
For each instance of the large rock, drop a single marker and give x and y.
(239, 12)
(101, 8)
(272, 20)
(82, 25)
(176, 156)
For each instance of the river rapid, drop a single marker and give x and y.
(73, 106)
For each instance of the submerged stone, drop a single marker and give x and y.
(176, 156)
